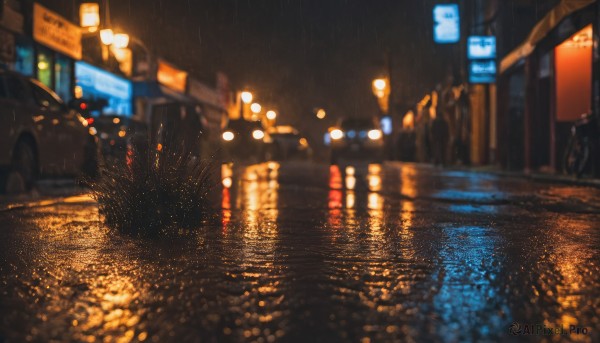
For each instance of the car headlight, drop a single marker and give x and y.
(258, 134)
(375, 134)
(228, 136)
(336, 134)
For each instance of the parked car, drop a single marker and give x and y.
(40, 135)
(288, 143)
(115, 133)
(357, 138)
(246, 140)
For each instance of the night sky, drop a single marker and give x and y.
(295, 54)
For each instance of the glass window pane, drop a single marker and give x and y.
(24, 59)
(45, 99)
(18, 90)
(44, 65)
(62, 72)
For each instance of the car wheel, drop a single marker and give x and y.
(25, 163)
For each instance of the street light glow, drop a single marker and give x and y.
(107, 36)
(271, 115)
(321, 113)
(247, 97)
(379, 84)
(255, 108)
(121, 40)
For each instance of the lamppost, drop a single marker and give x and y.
(255, 108)
(246, 98)
(381, 90)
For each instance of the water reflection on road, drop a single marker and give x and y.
(361, 252)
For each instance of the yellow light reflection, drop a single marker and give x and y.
(350, 200)
(350, 182)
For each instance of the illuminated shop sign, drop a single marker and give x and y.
(171, 77)
(100, 84)
(481, 47)
(446, 23)
(482, 71)
(56, 32)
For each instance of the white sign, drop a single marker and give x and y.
(56, 32)
(481, 47)
(446, 23)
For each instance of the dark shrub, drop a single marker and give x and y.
(155, 193)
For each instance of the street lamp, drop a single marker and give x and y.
(271, 115)
(321, 113)
(247, 97)
(245, 100)
(379, 84)
(255, 108)
(121, 40)
(106, 36)
(381, 90)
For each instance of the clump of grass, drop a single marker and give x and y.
(155, 193)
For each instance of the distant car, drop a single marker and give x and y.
(356, 138)
(115, 133)
(246, 140)
(39, 134)
(288, 143)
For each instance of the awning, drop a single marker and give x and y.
(152, 89)
(541, 29)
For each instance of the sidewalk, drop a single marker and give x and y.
(535, 176)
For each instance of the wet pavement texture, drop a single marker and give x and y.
(309, 252)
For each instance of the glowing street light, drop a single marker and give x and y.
(255, 108)
(381, 90)
(321, 113)
(271, 115)
(121, 40)
(379, 84)
(106, 36)
(247, 97)
(89, 16)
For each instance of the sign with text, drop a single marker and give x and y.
(56, 32)
(446, 23)
(481, 47)
(482, 71)
(171, 77)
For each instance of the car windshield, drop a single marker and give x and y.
(243, 125)
(357, 124)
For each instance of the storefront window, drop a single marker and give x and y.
(62, 78)
(24, 58)
(44, 72)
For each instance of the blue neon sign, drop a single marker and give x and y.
(446, 23)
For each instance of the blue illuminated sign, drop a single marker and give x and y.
(481, 47)
(100, 84)
(386, 125)
(482, 71)
(446, 23)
